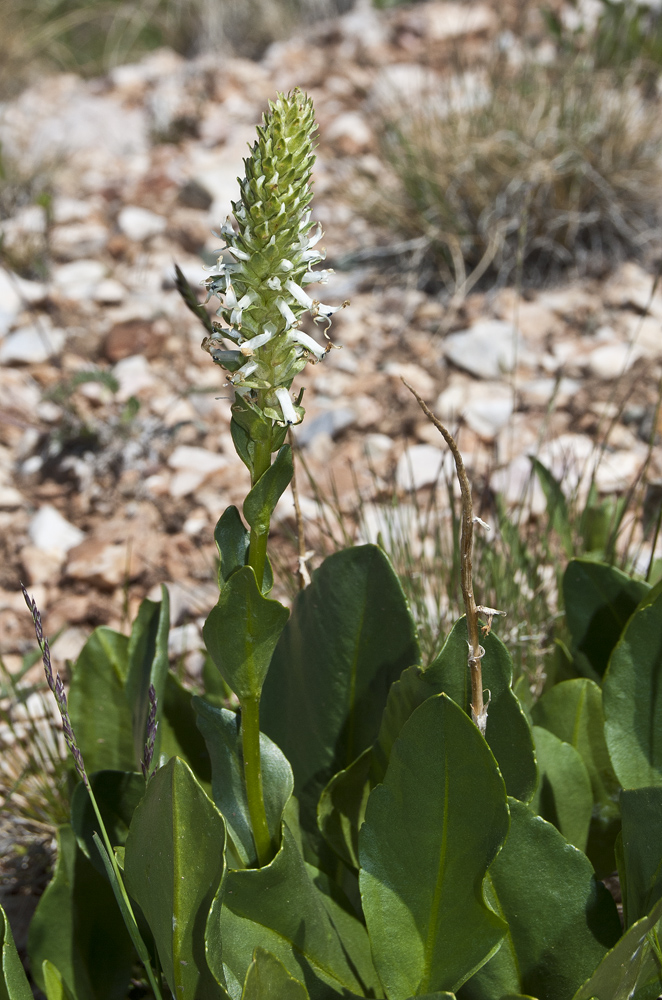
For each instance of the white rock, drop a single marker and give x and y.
(10, 301)
(422, 465)
(69, 643)
(350, 132)
(139, 224)
(49, 531)
(184, 482)
(67, 210)
(32, 344)
(518, 486)
(452, 20)
(109, 292)
(377, 446)
(79, 279)
(184, 638)
(612, 360)
(571, 459)
(134, 374)
(617, 470)
(486, 350)
(100, 563)
(196, 459)
(81, 239)
(539, 391)
(26, 224)
(488, 412)
(10, 498)
(417, 377)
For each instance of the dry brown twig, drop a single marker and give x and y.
(476, 652)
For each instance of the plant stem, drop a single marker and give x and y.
(476, 651)
(257, 552)
(250, 735)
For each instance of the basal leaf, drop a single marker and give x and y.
(349, 637)
(572, 711)
(641, 816)
(563, 797)
(599, 599)
(508, 732)
(78, 928)
(278, 908)
(100, 713)
(13, 981)
(561, 920)
(117, 794)
(268, 979)
(180, 736)
(241, 633)
(633, 699)
(148, 665)
(173, 863)
(557, 507)
(619, 972)
(232, 540)
(222, 734)
(430, 832)
(54, 985)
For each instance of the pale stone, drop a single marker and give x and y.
(417, 377)
(134, 375)
(10, 498)
(423, 465)
(350, 133)
(488, 413)
(570, 458)
(10, 301)
(66, 210)
(50, 532)
(377, 446)
(184, 482)
(100, 563)
(196, 459)
(645, 332)
(139, 224)
(109, 292)
(79, 279)
(330, 423)
(184, 638)
(41, 566)
(540, 391)
(32, 344)
(453, 20)
(486, 350)
(518, 486)
(69, 644)
(611, 360)
(617, 470)
(78, 240)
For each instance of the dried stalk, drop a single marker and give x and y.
(476, 651)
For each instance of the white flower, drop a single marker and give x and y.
(286, 313)
(286, 405)
(310, 345)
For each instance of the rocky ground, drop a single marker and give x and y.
(108, 489)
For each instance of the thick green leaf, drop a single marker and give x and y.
(261, 502)
(268, 979)
(619, 972)
(241, 633)
(633, 699)
(557, 507)
(561, 920)
(173, 863)
(78, 928)
(117, 794)
(180, 736)
(232, 540)
(349, 637)
(641, 815)
(279, 909)
(13, 982)
(54, 985)
(563, 797)
(430, 832)
(222, 734)
(572, 711)
(599, 599)
(508, 732)
(100, 713)
(148, 664)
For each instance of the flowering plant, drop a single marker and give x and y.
(363, 825)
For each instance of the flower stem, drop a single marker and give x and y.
(257, 552)
(250, 734)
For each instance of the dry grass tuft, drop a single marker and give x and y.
(551, 168)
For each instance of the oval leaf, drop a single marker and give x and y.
(561, 920)
(349, 637)
(268, 979)
(117, 794)
(508, 732)
(563, 796)
(148, 665)
(279, 909)
(222, 733)
(633, 699)
(241, 633)
(14, 982)
(430, 832)
(173, 863)
(641, 815)
(599, 600)
(261, 502)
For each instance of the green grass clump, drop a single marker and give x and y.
(552, 167)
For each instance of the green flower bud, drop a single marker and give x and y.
(264, 267)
